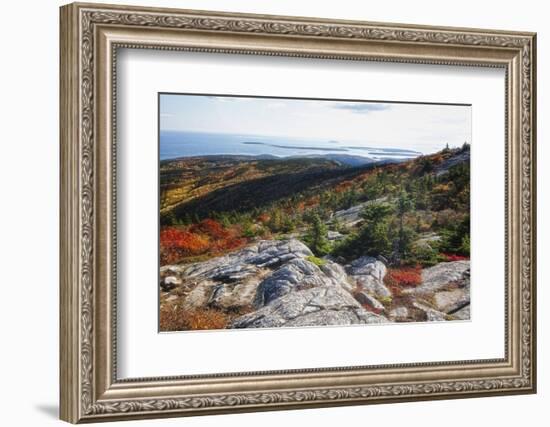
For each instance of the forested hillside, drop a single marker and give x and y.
(408, 216)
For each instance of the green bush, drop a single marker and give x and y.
(315, 260)
(423, 254)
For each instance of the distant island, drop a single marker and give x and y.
(297, 147)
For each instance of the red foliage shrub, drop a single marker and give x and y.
(207, 237)
(210, 227)
(187, 241)
(228, 244)
(403, 277)
(454, 257)
(176, 244)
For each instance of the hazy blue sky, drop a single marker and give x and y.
(425, 128)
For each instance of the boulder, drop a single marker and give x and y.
(233, 296)
(299, 274)
(271, 253)
(337, 273)
(200, 294)
(442, 275)
(369, 302)
(322, 305)
(246, 262)
(447, 287)
(335, 236)
(170, 282)
(368, 272)
(453, 300)
(296, 274)
(228, 295)
(426, 241)
(432, 315)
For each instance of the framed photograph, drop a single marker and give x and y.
(266, 212)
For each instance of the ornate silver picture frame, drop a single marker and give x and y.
(91, 36)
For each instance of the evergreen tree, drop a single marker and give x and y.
(456, 239)
(275, 220)
(317, 237)
(374, 237)
(405, 237)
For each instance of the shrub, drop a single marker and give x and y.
(176, 244)
(228, 244)
(423, 254)
(386, 301)
(465, 245)
(210, 227)
(252, 230)
(398, 278)
(173, 319)
(170, 319)
(317, 261)
(454, 257)
(280, 221)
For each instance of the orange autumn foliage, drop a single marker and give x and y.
(398, 278)
(211, 228)
(176, 244)
(172, 319)
(182, 239)
(208, 237)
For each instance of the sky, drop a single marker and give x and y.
(421, 127)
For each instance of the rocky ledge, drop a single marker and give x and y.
(276, 283)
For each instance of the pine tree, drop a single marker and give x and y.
(405, 236)
(317, 237)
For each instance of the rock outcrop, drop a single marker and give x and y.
(446, 286)
(275, 283)
(324, 305)
(441, 275)
(462, 156)
(350, 217)
(295, 275)
(369, 273)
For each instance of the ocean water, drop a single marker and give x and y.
(174, 144)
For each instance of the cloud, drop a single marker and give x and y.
(229, 98)
(361, 107)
